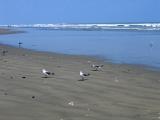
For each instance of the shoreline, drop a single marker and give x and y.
(95, 58)
(119, 91)
(4, 31)
(101, 58)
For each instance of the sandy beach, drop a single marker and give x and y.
(118, 92)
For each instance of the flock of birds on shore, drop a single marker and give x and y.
(82, 74)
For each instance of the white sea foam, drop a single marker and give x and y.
(140, 26)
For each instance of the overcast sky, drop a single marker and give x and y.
(78, 11)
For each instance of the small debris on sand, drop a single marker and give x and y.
(23, 77)
(33, 97)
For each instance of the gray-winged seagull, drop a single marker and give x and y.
(47, 73)
(83, 75)
(97, 67)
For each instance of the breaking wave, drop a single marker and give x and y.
(140, 26)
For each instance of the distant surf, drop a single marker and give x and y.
(133, 26)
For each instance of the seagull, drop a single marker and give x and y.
(83, 75)
(4, 52)
(97, 67)
(47, 73)
(20, 43)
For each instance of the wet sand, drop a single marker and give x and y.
(4, 31)
(118, 92)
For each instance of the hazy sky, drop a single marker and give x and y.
(78, 11)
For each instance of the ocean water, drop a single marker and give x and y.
(118, 46)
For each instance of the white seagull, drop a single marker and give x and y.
(47, 73)
(97, 67)
(83, 75)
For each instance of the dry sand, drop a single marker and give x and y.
(119, 92)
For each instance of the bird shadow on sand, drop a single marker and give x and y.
(97, 70)
(82, 79)
(46, 77)
(94, 70)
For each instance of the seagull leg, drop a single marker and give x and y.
(96, 68)
(46, 76)
(82, 78)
